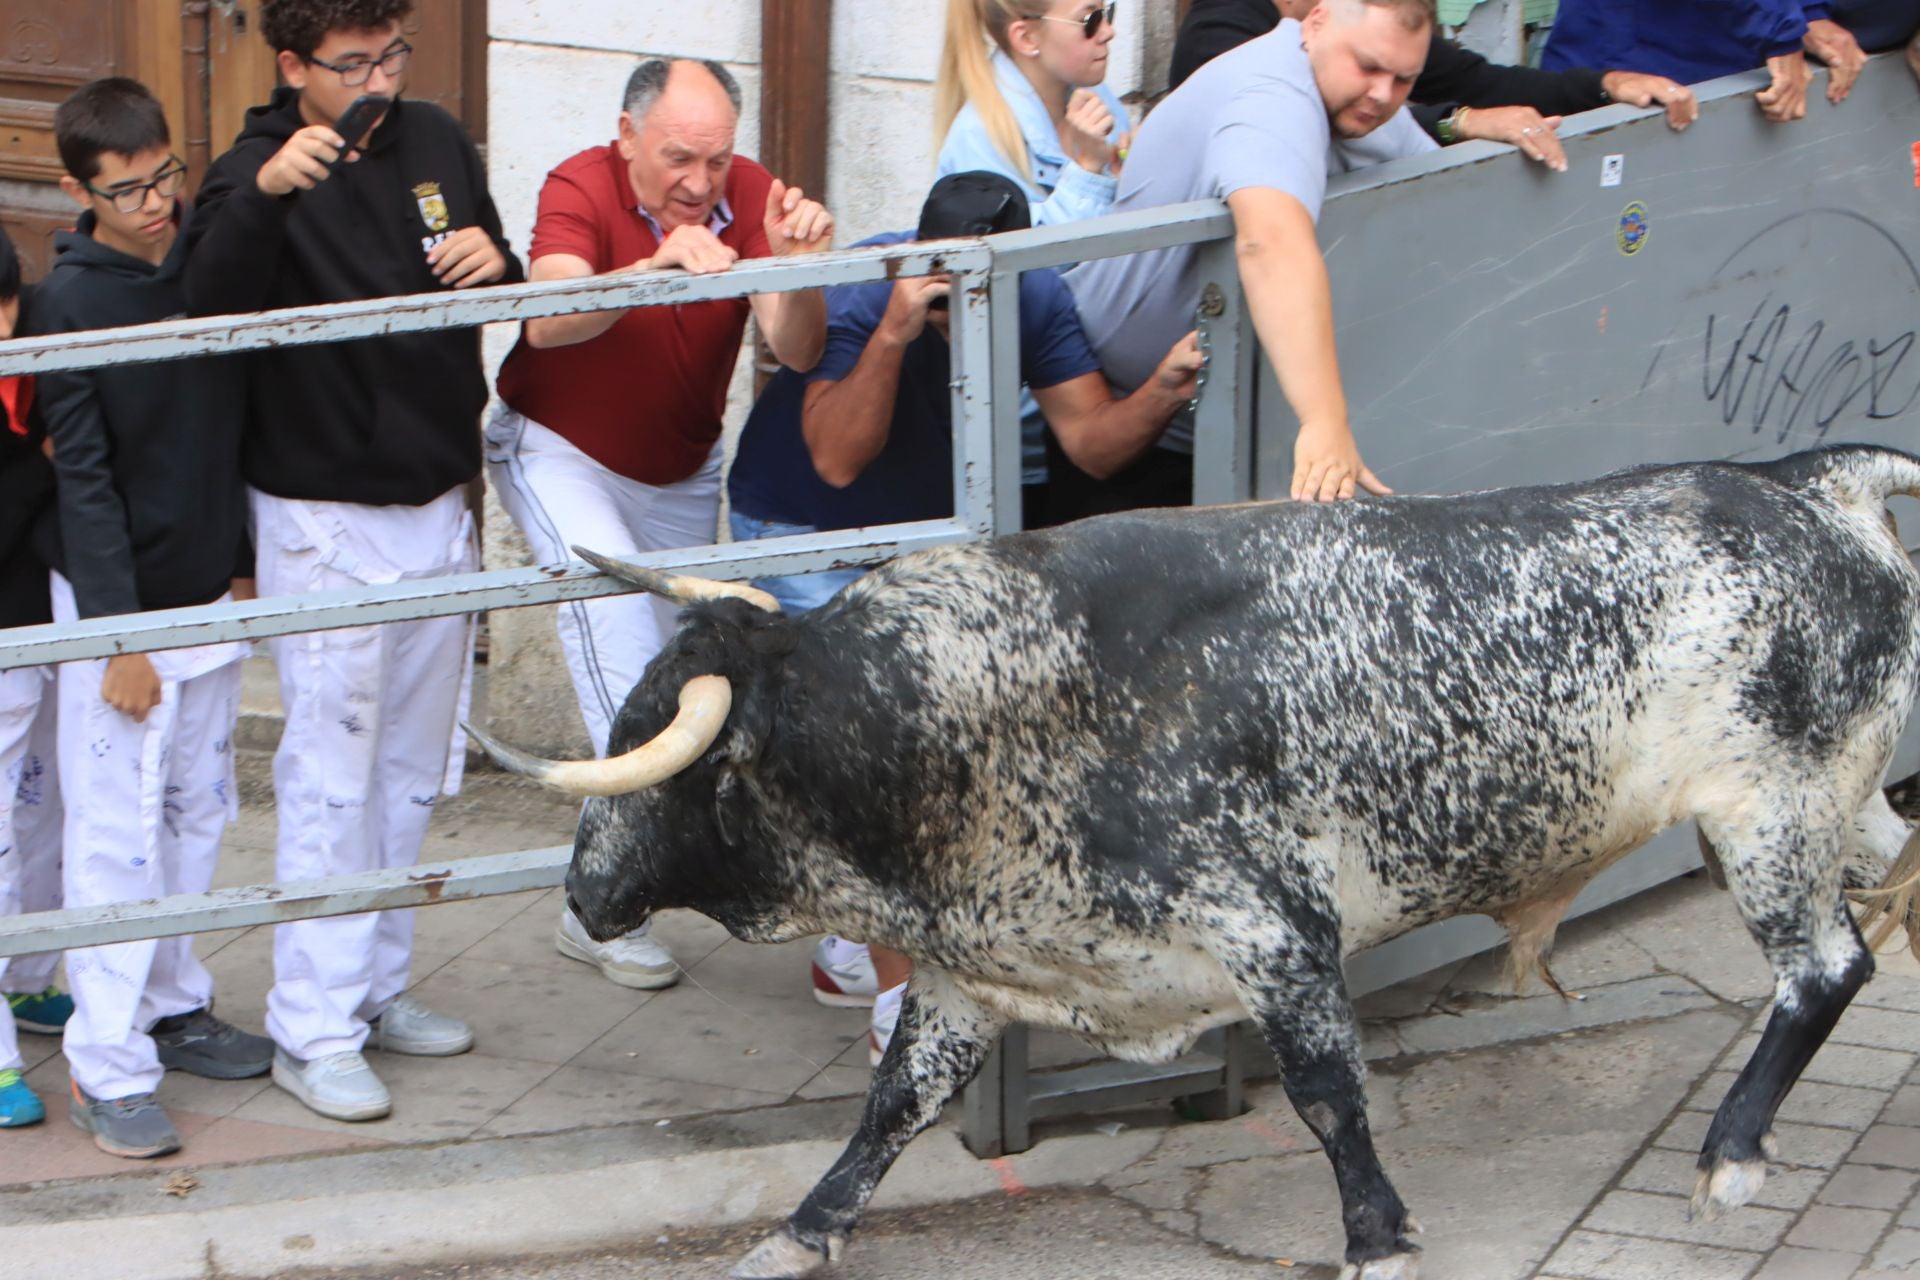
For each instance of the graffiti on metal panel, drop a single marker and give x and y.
(1775, 363)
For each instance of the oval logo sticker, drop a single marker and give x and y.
(1632, 232)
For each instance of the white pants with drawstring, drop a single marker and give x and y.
(147, 802)
(560, 498)
(29, 830)
(370, 745)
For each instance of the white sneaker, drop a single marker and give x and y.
(340, 1086)
(886, 1016)
(410, 1027)
(634, 960)
(843, 976)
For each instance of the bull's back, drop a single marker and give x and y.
(1451, 700)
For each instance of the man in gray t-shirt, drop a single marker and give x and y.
(1262, 127)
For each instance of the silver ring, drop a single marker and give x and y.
(1528, 129)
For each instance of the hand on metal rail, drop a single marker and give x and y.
(1638, 89)
(693, 249)
(1835, 46)
(1786, 98)
(1522, 127)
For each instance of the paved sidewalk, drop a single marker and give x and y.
(1533, 1136)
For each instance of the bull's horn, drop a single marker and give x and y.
(704, 703)
(676, 587)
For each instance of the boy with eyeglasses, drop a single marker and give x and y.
(151, 515)
(29, 780)
(357, 455)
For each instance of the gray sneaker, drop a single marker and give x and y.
(135, 1126)
(410, 1027)
(203, 1045)
(340, 1086)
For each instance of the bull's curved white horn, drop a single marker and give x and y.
(677, 587)
(704, 703)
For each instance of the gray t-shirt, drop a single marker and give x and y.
(1252, 117)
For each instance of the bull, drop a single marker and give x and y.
(1146, 774)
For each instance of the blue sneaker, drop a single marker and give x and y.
(44, 1014)
(19, 1105)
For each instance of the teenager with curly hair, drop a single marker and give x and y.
(357, 456)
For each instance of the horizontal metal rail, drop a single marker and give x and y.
(456, 593)
(413, 313)
(417, 886)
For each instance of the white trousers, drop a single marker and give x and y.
(561, 497)
(147, 802)
(368, 747)
(29, 829)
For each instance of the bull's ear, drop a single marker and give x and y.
(748, 725)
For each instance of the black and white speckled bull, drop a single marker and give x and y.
(1133, 776)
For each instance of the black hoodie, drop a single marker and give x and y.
(26, 507)
(390, 421)
(153, 514)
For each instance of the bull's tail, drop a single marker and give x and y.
(1863, 476)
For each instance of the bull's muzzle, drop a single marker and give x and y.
(704, 703)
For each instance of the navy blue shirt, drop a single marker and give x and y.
(912, 478)
(1878, 24)
(1684, 40)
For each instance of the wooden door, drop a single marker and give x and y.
(206, 62)
(48, 48)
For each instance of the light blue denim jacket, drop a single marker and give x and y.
(1058, 189)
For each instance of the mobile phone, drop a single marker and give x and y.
(354, 122)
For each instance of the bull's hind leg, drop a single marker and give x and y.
(940, 1041)
(1296, 989)
(1786, 882)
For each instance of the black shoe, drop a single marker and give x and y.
(202, 1045)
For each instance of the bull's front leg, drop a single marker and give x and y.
(1297, 991)
(938, 1045)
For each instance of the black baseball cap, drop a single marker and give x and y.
(976, 203)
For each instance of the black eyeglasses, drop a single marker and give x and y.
(357, 71)
(169, 182)
(1090, 24)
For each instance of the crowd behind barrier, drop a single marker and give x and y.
(291, 470)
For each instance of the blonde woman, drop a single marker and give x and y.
(1020, 92)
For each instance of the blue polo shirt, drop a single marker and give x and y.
(912, 477)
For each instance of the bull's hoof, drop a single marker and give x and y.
(781, 1257)
(1727, 1185)
(1395, 1266)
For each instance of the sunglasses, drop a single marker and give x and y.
(1090, 24)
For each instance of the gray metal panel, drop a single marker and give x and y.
(1493, 331)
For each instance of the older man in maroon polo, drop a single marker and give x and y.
(609, 427)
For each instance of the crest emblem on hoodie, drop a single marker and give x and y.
(433, 206)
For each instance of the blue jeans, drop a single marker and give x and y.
(799, 592)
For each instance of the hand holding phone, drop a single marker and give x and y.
(357, 121)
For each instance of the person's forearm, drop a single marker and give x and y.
(565, 331)
(1115, 435)
(797, 330)
(846, 424)
(1292, 306)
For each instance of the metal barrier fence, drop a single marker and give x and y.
(986, 481)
